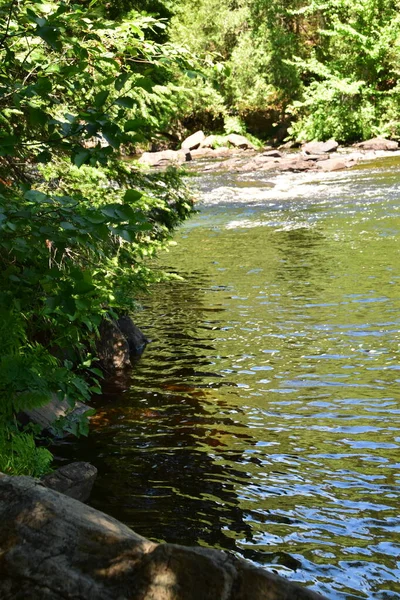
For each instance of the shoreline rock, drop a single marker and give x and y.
(313, 156)
(119, 341)
(56, 548)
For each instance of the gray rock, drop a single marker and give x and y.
(239, 141)
(193, 141)
(164, 158)
(378, 144)
(75, 480)
(55, 548)
(320, 147)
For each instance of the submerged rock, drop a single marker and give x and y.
(54, 547)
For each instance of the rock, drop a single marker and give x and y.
(136, 339)
(112, 348)
(203, 153)
(336, 164)
(55, 548)
(193, 141)
(239, 141)
(75, 480)
(119, 341)
(320, 147)
(378, 144)
(289, 145)
(209, 141)
(315, 157)
(295, 164)
(222, 151)
(272, 153)
(164, 158)
(46, 416)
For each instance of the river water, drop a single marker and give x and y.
(264, 417)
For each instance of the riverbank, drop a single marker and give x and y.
(239, 154)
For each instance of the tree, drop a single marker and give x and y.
(76, 221)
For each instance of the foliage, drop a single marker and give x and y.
(19, 454)
(331, 66)
(77, 222)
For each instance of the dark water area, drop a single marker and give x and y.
(264, 417)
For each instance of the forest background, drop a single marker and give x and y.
(82, 85)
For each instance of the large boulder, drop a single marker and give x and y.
(75, 480)
(193, 141)
(239, 141)
(378, 144)
(164, 158)
(55, 548)
(320, 147)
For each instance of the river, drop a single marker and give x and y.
(264, 417)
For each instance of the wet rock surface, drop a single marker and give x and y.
(54, 547)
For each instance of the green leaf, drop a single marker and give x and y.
(125, 102)
(36, 196)
(132, 196)
(43, 157)
(100, 98)
(36, 116)
(50, 35)
(145, 83)
(67, 226)
(81, 157)
(134, 124)
(121, 81)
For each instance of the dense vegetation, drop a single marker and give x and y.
(83, 82)
(76, 221)
(318, 68)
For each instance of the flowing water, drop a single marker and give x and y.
(264, 416)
